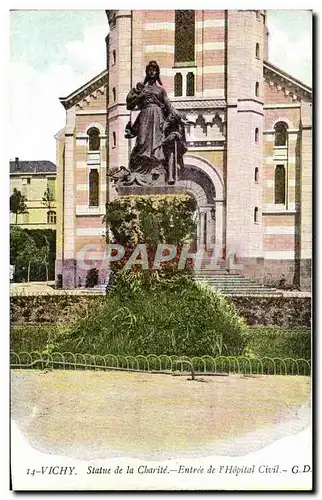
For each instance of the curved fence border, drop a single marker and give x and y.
(152, 363)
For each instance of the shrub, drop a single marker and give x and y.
(29, 247)
(279, 342)
(59, 281)
(58, 309)
(179, 317)
(286, 312)
(31, 337)
(91, 278)
(262, 341)
(152, 219)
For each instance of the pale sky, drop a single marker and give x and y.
(52, 53)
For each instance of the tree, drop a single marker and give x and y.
(30, 254)
(43, 255)
(48, 199)
(23, 250)
(18, 203)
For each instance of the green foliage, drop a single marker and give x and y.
(23, 252)
(292, 312)
(91, 278)
(262, 341)
(33, 248)
(151, 219)
(279, 342)
(18, 203)
(286, 312)
(31, 337)
(48, 199)
(179, 318)
(19, 238)
(56, 309)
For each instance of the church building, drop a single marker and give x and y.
(248, 131)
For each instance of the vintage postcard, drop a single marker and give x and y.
(160, 250)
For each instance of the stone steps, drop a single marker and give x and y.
(97, 289)
(231, 284)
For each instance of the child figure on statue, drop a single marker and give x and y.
(129, 132)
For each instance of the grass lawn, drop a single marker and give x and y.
(95, 414)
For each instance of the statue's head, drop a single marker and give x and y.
(152, 73)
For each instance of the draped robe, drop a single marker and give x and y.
(148, 128)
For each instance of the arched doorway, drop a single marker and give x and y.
(200, 179)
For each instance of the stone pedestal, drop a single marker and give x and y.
(149, 190)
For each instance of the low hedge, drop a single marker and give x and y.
(55, 309)
(262, 341)
(279, 342)
(32, 337)
(286, 312)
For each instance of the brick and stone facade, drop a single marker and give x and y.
(234, 101)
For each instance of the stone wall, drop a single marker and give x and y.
(287, 312)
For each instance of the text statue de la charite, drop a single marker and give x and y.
(159, 132)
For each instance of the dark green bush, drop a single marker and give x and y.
(262, 341)
(279, 342)
(38, 273)
(31, 337)
(91, 278)
(177, 318)
(62, 309)
(286, 312)
(151, 219)
(19, 240)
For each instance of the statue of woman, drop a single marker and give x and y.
(150, 127)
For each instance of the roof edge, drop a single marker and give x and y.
(287, 76)
(72, 95)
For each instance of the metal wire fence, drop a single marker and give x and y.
(203, 365)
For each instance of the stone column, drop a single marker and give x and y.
(244, 236)
(69, 261)
(219, 235)
(306, 196)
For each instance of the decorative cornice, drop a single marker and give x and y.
(87, 91)
(286, 83)
(200, 104)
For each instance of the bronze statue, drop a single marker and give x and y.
(159, 132)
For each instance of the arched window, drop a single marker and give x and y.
(184, 36)
(256, 89)
(256, 214)
(279, 185)
(280, 134)
(93, 188)
(94, 139)
(114, 94)
(258, 15)
(190, 84)
(114, 139)
(178, 84)
(51, 217)
(114, 56)
(256, 174)
(256, 134)
(257, 50)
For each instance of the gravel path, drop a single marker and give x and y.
(91, 415)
